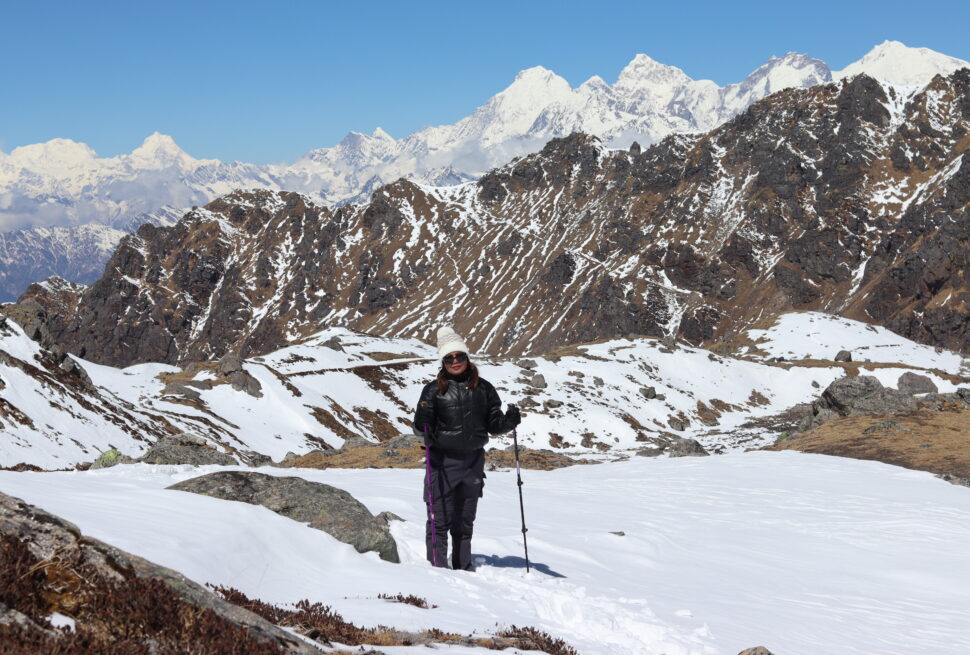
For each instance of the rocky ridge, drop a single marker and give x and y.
(848, 198)
(64, 184)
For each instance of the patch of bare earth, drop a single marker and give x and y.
(925, 440)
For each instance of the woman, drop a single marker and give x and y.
(456, 414)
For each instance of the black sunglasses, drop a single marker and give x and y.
(448, 360)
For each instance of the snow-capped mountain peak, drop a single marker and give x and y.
(160, 151)
(56, 156)
(644, 73)
(897, 63)
(379, 133)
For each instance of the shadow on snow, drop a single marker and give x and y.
(512, 562)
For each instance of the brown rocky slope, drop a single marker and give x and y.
(849, 198)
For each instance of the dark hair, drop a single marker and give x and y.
(443, 378)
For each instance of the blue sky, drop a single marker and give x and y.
(264, 82)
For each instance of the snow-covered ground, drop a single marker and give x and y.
(814, 335)
(593, 401)
(804, 554)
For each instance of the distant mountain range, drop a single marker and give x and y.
(851, 198)
(63, 183)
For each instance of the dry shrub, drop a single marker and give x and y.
(315, 620)
(537, 640)
(131, 617)
(410, 599)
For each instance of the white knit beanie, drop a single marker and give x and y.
(449, 342)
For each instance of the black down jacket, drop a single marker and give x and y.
(460, 421)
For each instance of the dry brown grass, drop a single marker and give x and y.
(925, 440)
(412, 456)
(185, 376)
(362, 457)
(384, 357)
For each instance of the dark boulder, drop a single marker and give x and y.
(912, 383)
(843, 356)
(323, 507)
(842, 394)
(681, 447)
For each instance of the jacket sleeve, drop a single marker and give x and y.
(424, 415)
(496, 418)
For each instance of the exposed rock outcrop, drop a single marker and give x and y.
(808, 200)
(113, 597)
(185, 449)
(323, 507)
(851, 396)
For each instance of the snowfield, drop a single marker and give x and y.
(804, 554)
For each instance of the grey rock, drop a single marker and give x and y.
(843, 356)
(648, 392)
(538, 381)
(71, 366)
(660, 396)
(883, 401)
(230, 363)
(185, 449)
(32, 319)
(254, 459)
(529, 364)
(576, 374)
(650, 452)
(323, 507)
(387, 517)
(818, 416)
(816, 384)
(682, 447)
(355, 441)
(404, 441)
(598, 382)
(333, 343)
(842, 394)
(553, 404)
(179, 388)
(757, 650)
(676, 424)
(913, 383)
(243, 381)
(48, 536)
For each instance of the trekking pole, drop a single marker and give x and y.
(434, 532)
(518, 475)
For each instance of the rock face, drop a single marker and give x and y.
(680, 447)
(911, 383)
(185, 449)
(851, 396)
(850, 198)
(325, 508)
(104, 590)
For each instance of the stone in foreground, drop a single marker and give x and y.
(323, 507)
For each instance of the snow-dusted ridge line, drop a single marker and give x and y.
(594, 401)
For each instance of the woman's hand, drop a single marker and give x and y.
(512, 416)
